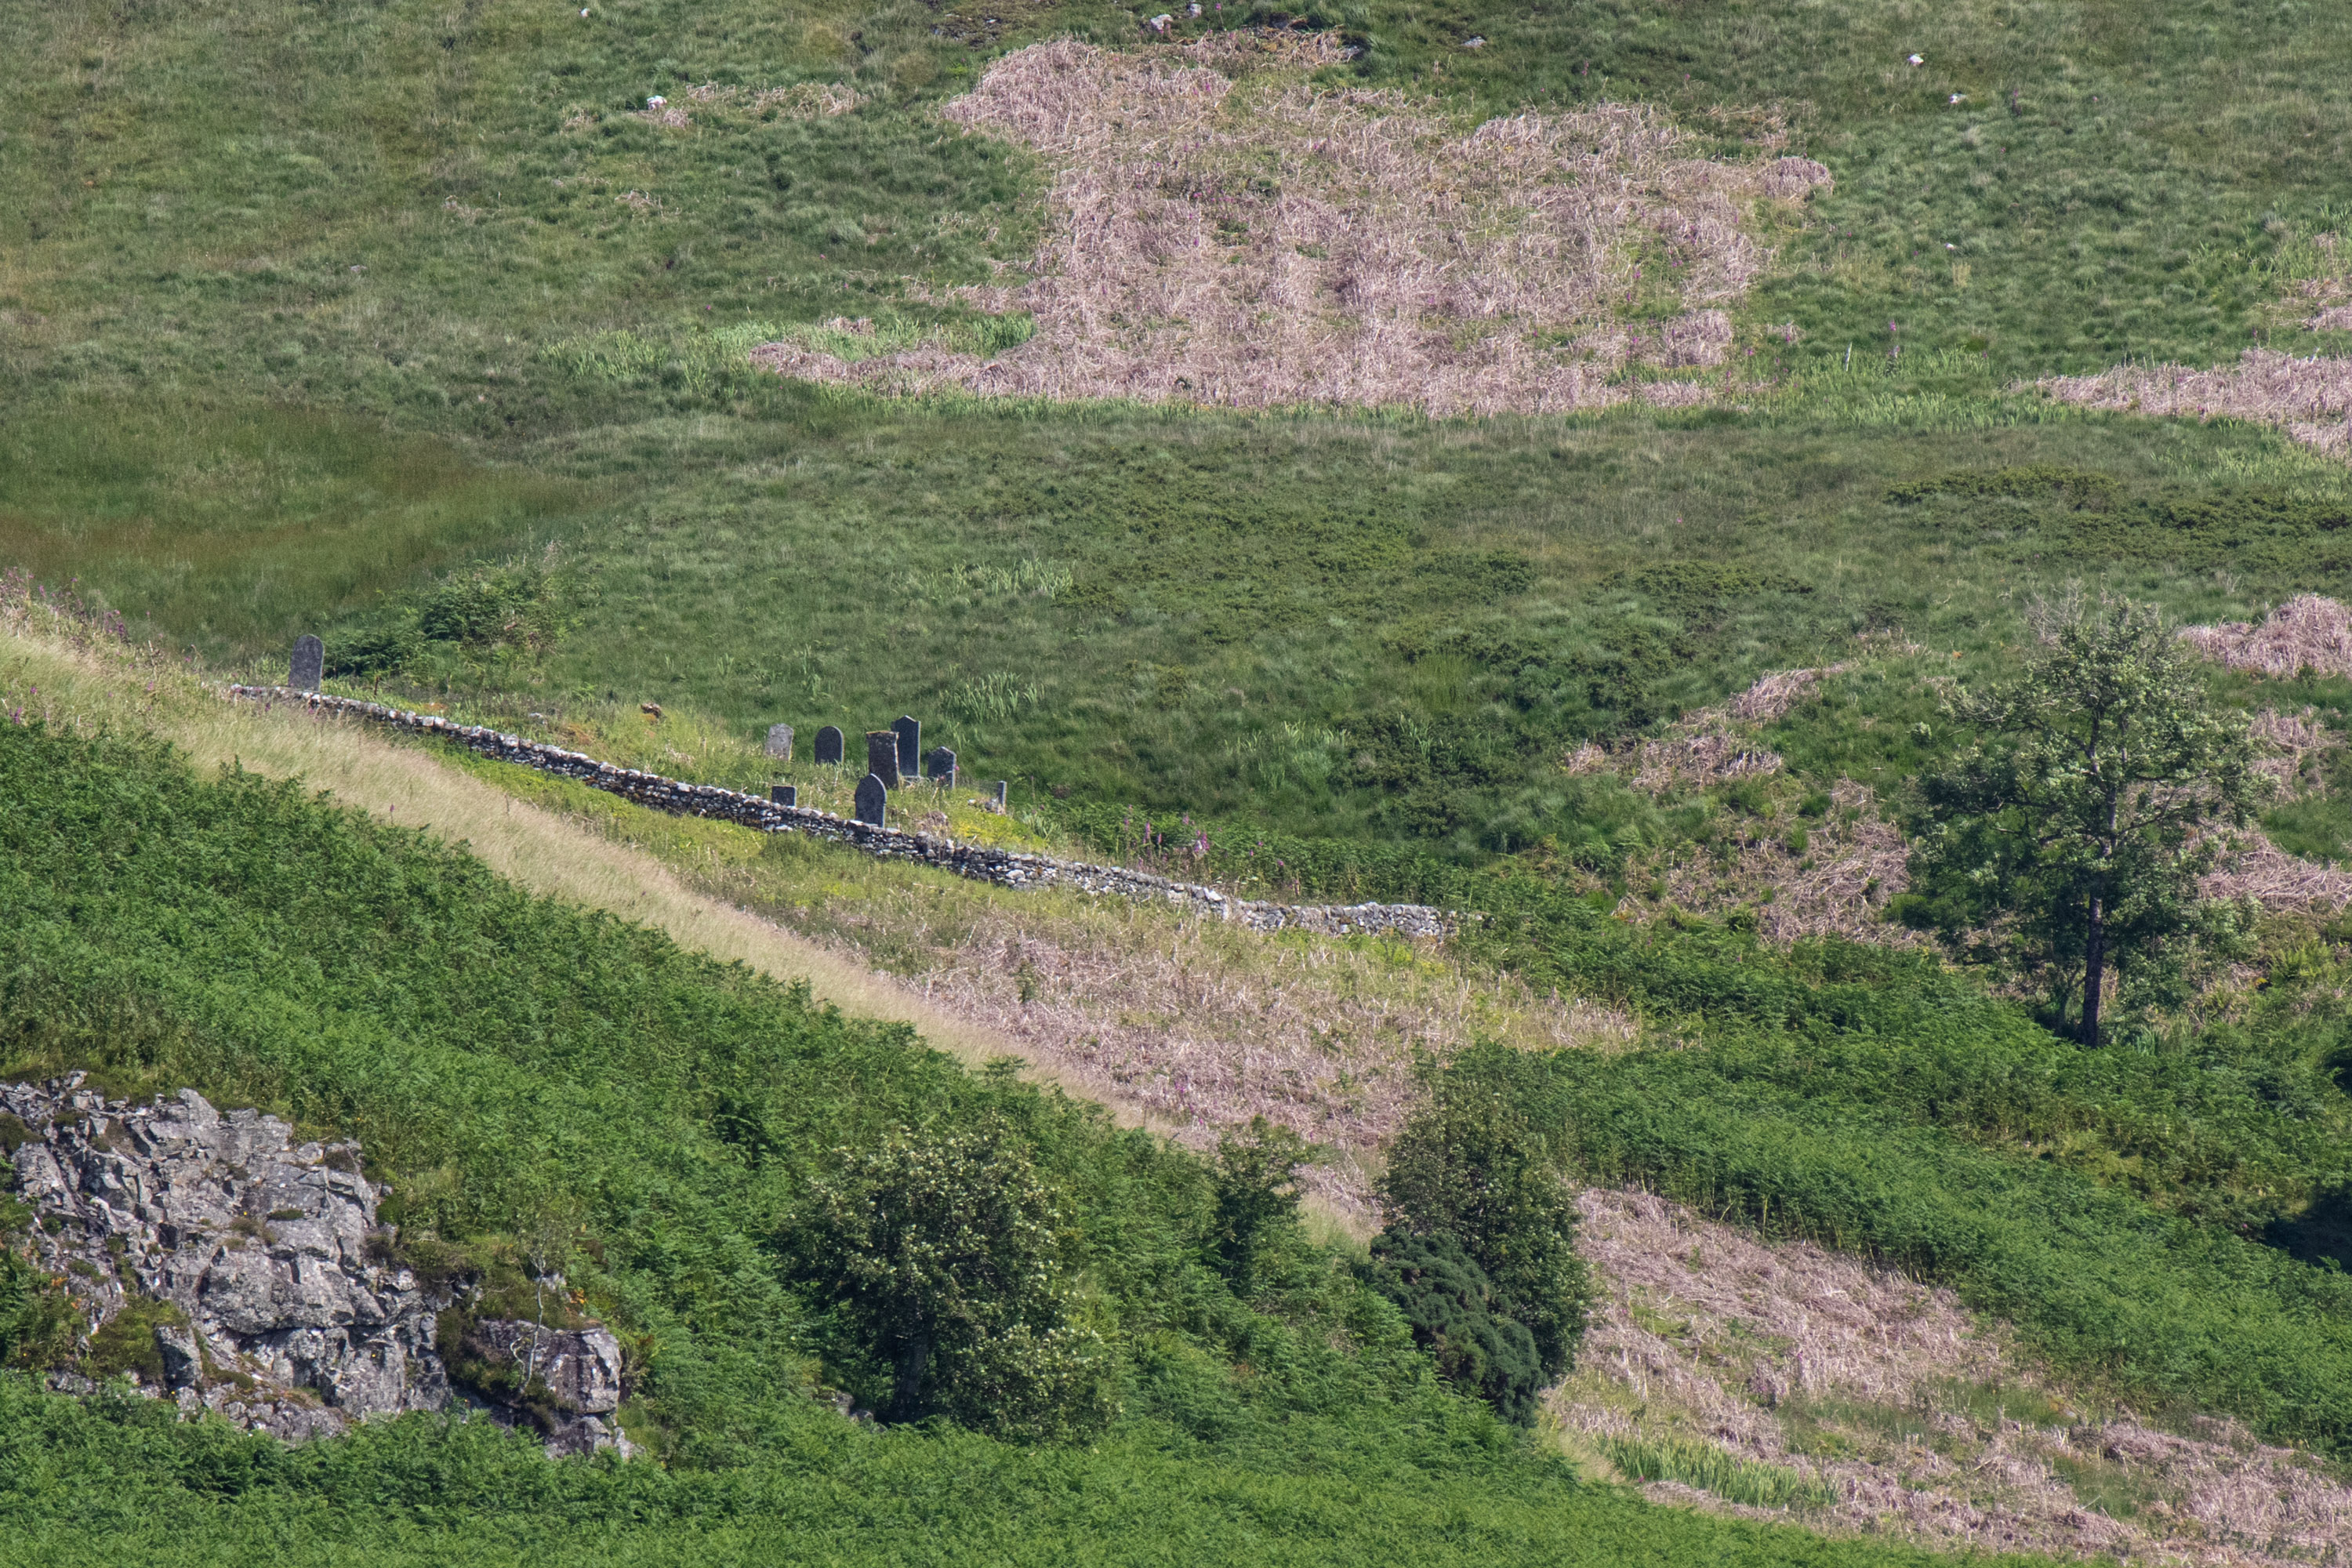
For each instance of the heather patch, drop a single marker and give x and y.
(1224, 230)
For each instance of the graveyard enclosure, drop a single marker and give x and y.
(867, 831)
(809, 781)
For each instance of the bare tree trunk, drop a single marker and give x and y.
(907, 1395)
(2095, 963)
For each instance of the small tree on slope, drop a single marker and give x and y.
(2077, 829)
(954, 1259)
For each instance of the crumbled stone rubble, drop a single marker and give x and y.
(293, 1318)
(1002, 867)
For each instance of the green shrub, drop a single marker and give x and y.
(954, 1259)
(1458, 1317)
(1471, 1172)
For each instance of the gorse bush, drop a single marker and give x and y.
(1474, 1177)
(1459, 1317)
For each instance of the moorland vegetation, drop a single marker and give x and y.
(433, 332)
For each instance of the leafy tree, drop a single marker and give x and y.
(1470, 1168)
(953, 1258)
(1458, 1317)
(2071, 838)
(1258, 1201)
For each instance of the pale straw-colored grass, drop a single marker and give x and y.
(2310, 399)
(2309, 632)
(1188, 1026)
(45, 677)
(1221, 230)
(1919, 1419)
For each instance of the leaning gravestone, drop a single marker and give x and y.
(310, 665)
(785, 794)
(871, 797)
(939, 763)
(828, 744)
(1001, 785)
(779, 741)
(910, 742)
(882, 756)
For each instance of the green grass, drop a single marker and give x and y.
(526, 1076)
(1710, 1469)
(318, 235)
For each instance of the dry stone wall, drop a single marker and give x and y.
(1004, 867)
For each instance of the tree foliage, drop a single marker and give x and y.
(1473, 1169)
(2075, 831)
(1460, 1318)
(1256, 1223)
(953, 1258)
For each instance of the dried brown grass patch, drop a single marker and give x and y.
(1223, 231)
(2310, 399)
(1835, 881)
(2309, 632)
(1920, 1420)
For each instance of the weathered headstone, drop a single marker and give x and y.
(779, 741)
(882, 756)
(785, 794)
(1002, 786)
(939, 763)
(872, 795)
(310, 664)
(910, 744)
(828, 744)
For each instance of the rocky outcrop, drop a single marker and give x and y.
(287, 1314)
(258, 1266)
(563, 1381)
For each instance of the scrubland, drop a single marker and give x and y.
(1559, 462)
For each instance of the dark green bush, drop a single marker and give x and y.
(1459, 1317)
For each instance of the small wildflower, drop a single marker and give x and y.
(1918, 60)
(1959, 98)
(657, 101)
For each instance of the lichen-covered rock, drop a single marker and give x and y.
(263, 1245)
(580, 1368)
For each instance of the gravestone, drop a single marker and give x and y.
(828, 744)
(871, 797)
(779, 741)
(882, 756)
(785, 794)
(1001, 785)
(911, 743)
(309, 665)
(939, 763)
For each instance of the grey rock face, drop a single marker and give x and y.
(580, 1367)
(308, 667)
(828, 744)
(262, 1244)
(779, 741)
